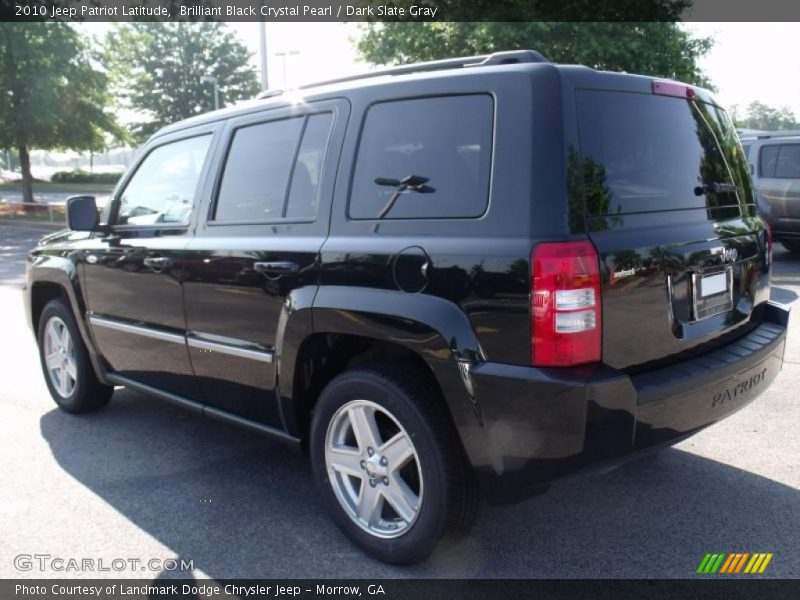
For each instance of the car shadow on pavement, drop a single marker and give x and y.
(240, 505)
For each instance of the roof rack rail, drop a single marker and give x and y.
(758, 134)
(482, 60)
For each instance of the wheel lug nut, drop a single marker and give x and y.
(384, 461)
(385, 481)
(372, 483)
(370, 451)
(363, 464)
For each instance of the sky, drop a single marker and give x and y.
(753, 61)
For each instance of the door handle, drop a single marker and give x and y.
(155, 262)
(280, 267)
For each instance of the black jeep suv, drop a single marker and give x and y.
(470, 275)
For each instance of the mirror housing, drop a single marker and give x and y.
(82, 213)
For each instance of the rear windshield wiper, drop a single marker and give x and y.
(414, 183)
(715, 188)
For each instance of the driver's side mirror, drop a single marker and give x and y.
(82, 213)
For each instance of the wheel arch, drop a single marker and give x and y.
(350, 326)
(55, 277)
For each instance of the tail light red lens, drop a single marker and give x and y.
(566, 322)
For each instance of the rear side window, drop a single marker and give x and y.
(788, 165)
(642, 152)
(162, 190)
(426, 158)
(273, 170)
(304, 191)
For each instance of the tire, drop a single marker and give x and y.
(70, 376)
(791, 245)
(435, 487)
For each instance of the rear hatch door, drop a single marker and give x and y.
(670, 209)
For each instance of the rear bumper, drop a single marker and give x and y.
(540, 424)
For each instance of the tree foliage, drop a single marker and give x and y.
(761, 116)
(660, 49)
(55, 94)
(158, 70)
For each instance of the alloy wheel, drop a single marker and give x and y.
(374, 469)
(60, 357)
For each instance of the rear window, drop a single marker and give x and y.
(642, 152)
(426, 158)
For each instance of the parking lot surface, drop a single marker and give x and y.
(145, 480)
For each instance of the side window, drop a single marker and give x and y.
(304, 191)
(427, 158)
(162, 189)
(767, 160)
(257, 171)
(271, 173)
(788, 165)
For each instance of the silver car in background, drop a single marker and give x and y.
(774, 161)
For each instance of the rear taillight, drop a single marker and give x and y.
(565, 304)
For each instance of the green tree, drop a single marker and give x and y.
(159, 69)
(761, 116)
(660, 49)
(56, 96)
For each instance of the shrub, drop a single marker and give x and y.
(81, 176)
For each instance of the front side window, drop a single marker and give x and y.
(426, 158)
(163, 188)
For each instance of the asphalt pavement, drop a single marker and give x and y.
(143, 480)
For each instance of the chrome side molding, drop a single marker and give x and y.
(156, 334)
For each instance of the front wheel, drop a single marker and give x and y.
(68, 372)
(388, 464)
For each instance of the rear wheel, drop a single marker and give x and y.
(388, 464)
(68, 372)
(791, 245)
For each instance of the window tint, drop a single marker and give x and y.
(162, 189)
(444, 143)
(257, 171)
(788, 165)
(768, 160)
(304, 191)
(642, 152)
